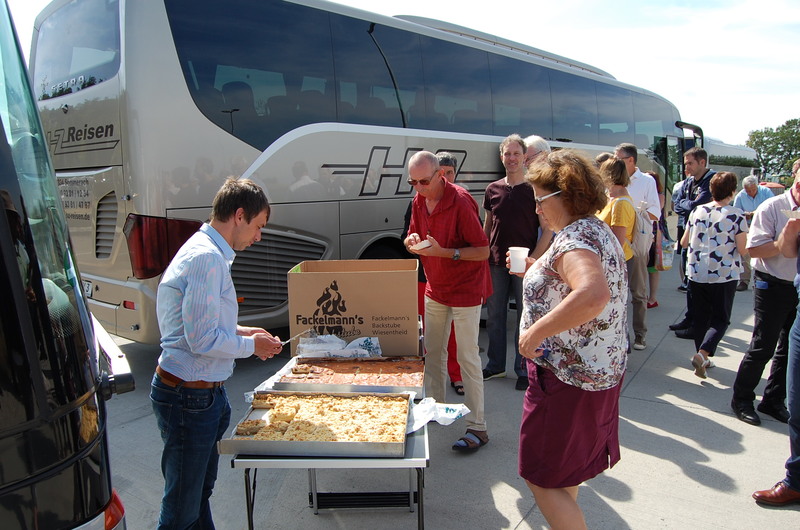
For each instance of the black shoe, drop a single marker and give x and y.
(745, 412)
(685, 333)
(779, 413)
(682, 288)
(522, 383)
(491, 375)
(683, 324)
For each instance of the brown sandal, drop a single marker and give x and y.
(471, 441)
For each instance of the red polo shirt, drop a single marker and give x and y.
(454, 223)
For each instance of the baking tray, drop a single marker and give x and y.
(245, 446)
(275, 382)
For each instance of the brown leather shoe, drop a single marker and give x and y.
(779, 495)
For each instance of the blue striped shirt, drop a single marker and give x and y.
(198, 311)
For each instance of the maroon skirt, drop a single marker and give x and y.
(567, 435)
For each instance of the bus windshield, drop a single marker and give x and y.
(71, 59)
(44, 258)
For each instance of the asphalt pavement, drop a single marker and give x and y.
(687, 462)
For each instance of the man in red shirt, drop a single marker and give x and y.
(455, 262)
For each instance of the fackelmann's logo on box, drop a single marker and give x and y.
(330, 317)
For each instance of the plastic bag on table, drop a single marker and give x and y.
(428, 410)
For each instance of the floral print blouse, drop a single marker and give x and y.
(712, 256)
(593, 355)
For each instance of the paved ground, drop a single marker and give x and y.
(687, 462)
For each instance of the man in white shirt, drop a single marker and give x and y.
(644, 193)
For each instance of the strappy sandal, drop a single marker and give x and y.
(471, 441)
(458, 387)
(700, 364)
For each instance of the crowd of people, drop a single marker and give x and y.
(579, 221)
(583, 272)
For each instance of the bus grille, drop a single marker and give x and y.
(260, 272)
(105, 226)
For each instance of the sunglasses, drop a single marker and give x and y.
(540, 199)
(421, 182)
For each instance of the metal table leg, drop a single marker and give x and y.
(249, 495)
(420, 486)
(312, 486)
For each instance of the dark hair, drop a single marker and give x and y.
(602, 157)
(582, 189)
(698, 153)
(723, 185)
(628, 150)
(613, 171)
(239, 193)
(447, 159)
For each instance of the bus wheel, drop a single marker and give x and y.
(384, 252)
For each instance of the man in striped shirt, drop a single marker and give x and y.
(200, 339)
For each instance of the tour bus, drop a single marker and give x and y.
(149, 105)
(57, 365)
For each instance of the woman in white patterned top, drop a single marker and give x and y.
(716, 236)
(573, 332)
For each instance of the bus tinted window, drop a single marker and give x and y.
(574, 108)
(654, 118)
(520, 97)
(36, 222)
(458, 93)
(254, 83)
(614, 114)
(78, 47)
(368, 89)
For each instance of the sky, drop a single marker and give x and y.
(730, 66)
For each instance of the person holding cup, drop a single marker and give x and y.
(573, 334)
(511, 221)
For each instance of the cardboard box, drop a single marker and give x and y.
(357, 298)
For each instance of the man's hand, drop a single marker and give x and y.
(267, 346)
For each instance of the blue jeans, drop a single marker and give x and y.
(191, 422)
(793, 402)
(497, 319)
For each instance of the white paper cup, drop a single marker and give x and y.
(518, 255)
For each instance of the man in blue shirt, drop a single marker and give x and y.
(197, 315)
(694, 192)
(747, 200)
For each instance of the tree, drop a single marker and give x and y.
(776, 149)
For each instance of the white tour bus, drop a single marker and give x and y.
(148, 105)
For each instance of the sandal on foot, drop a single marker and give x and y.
(458, 387)
(700, 364)
(471, 441)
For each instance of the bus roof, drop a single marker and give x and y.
(502, 43)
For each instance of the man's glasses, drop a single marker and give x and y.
(540, 199)
(422, 182)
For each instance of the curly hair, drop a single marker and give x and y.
(582, 189)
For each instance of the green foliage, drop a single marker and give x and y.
(736, 161)
(776, 149)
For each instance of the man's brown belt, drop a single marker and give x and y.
(174, 381)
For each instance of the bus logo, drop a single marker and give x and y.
(82, 139)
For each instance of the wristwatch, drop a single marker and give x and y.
(457, 254)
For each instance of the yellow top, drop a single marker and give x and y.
(620, 213)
